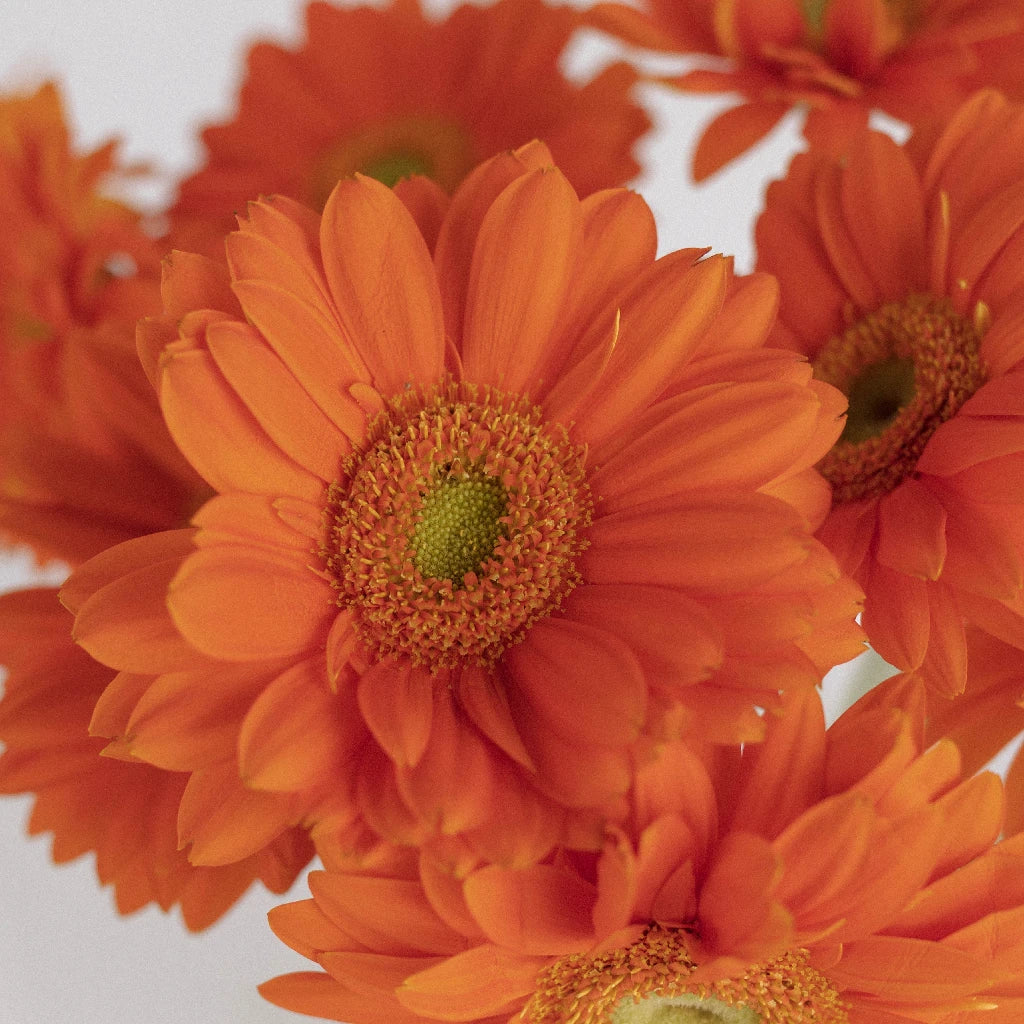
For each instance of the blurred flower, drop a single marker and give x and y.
(845, 877)
(841, 59)
(902, 276)
(389, 92)
(482, 520)
(85, 460)
(124, 812)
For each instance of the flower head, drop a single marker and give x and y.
(840, 59)
(484, 519)
(389, 92)
(833, 878)
(122, 810)
(901, 279)
(85, 461)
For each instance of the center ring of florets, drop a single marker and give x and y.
(457, 525)
(906, 369)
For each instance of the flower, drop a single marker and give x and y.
(123, 811)
(839, 58)
(900, 271)
(839, 877)
(389, 92)
(85, 460)
(482, 520)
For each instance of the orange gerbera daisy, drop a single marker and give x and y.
(901, 276)
(482, 520)
(126, 813)
(913, 59)
(844, 877)
(389, 92)
(76, 272)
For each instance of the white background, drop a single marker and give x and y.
(150, 71)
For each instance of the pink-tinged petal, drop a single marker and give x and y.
(539, 911)
(674, 638)
(912, 531)
(384, 913)
(309, 342)
(457, 238)
(281, 407)
(479, 983)
(482, 696)
(298, 733)
(396, 700)
(578, 680)
(896, 617)
(517, 287)
(224, 822)
(246, 604)
(382, 280)
(220, 436)
(712, 546)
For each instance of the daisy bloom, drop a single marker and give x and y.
(76, 272)
(126, 813)
(482, 520)
(902, 280)
(841, 59)
(390, 92)
(840, 877)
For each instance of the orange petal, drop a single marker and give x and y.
(539, 911)
(298, 733)
(732, 133)
(382, 280)
(396, 700)
(517, 287)
(912, 531)
(246, 604)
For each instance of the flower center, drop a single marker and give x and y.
(457, 526)
(906, 369)
(648, 983)
(390, 150)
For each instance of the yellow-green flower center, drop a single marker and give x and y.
(906, 368)
(649, 982)
(460, 524)
(390, 168)
(457, 526)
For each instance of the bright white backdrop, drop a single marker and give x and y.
(149, 72)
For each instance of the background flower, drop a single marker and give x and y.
(901, 279)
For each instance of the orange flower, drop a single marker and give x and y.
(844, 877)
(389, 92)
(125, 812)
(901, 276)
(842, 59)
(85, 460)
(483, 519)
